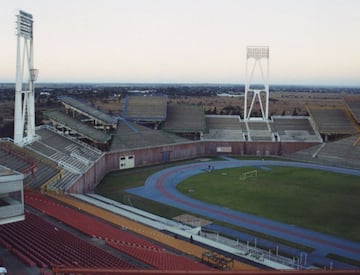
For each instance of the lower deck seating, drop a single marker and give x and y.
(158, 259)
(97, 228)
(38, 242)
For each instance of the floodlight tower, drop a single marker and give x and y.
(24, 117)
(256, 58)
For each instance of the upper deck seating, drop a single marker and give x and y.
(183, 118)
(145, 108)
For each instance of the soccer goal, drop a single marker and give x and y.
(249, 174)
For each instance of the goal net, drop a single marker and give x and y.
(249, 174)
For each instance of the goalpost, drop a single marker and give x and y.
(249, 174)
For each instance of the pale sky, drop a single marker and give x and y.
(191, 41)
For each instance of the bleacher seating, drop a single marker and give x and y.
(145, 108)
(97, 228)
(36, 169)
(72, 156)
(132, 135)
(294, 129)
(223, 122)
(224, 127)
(354, 107)
(88, 110)
(158, 259)
(39, 242)
(339, 153)
(183, 118)
(78, 127)
(60, 142)
(259, 130)
(333, 121)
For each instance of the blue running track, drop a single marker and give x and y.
(161, 187)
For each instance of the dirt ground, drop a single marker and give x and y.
(281, 103)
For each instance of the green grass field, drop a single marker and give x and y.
(318, 200)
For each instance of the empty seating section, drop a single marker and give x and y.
(159, 237)
(295, 129)
(354, 106)
(36, 169)
(258, 126)
(259, 130)
(158, 259)
(80, 128)
(90, 111)
(122, 239)
(185, 118)
(223, 128)
(224, 134)
(60, 142)
(223, 122)
(39, 242)
(127, 137)
(333, 121)
(64, 182)
(341, 152)
(74, 157)
(13, 160)
(146, 108)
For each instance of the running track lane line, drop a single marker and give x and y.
(161, 186)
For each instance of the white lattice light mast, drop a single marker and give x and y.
(257, 56)
(24, 92)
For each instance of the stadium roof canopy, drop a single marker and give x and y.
(183, 118)
(145, 108)
(87, 110)
(76, 126)
(332, 121)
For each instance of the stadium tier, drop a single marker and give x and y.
(344, 152)
(132, 135)
(40, 243)
(78, 127)
(332, 121)
(183, 118)
(354, 107)
(84, 109)
(37, 170)
(223, 127)
(223, 122)
(117, 238)
(145, 108)
(290, 128)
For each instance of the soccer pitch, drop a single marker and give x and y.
(318, 200)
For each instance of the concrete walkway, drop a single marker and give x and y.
(161, 187)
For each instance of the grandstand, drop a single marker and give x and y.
(120, 239)
(225, 127)
(40, 243)
(73, 157)
(36, 169)
(61, 120)
(344, 152)
(289, 128)
(258, 130)
(148, 108)
(131, 135)
(99, 118)
(354, 107)
(183, 118)
(333, 121)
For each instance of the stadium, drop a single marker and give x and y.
(52, 222)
